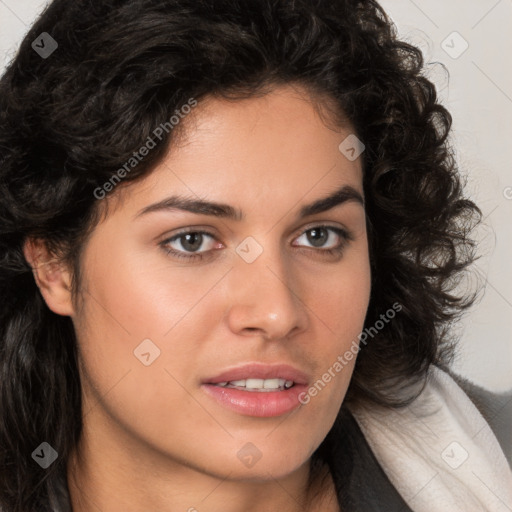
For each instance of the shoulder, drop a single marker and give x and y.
(446, 448)
(496, 408)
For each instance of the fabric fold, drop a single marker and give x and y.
(439, 452)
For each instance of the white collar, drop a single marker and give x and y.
(439, 452)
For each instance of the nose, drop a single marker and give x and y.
(265, 299)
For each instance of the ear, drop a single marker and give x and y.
(52, 277)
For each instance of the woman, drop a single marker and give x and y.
(231, 236)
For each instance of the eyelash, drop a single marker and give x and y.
(345, 236)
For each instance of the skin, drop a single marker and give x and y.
(153, 439)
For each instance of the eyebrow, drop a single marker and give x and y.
(226, 211)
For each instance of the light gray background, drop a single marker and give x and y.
(478, 93)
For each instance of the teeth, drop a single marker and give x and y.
(259, 384)
(272, 383)
(254, 383)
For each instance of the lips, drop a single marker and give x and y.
(227, 389)
(260, 371)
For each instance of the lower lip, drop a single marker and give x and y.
(263, 404)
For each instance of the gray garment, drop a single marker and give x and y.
(370, 487)
(496, 408)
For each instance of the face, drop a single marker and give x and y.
(177, 303)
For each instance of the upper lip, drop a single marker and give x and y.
(260, 371)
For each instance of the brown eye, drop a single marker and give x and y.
(320, 236)
(186, 242)
(191, 241)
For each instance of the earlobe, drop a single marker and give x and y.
(51, 276)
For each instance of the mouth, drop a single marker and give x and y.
(258, 385)
(258, 390)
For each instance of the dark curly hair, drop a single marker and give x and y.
(122, 67)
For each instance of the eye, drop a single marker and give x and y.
(188, 241)
(329, 240)
(188, 244)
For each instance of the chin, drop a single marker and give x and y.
(267, 461)
(266, 471)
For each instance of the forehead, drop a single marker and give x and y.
(281, 145)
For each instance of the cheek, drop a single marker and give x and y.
(339, 296)
(135, 296)
(124, 310)
(130, 302)
(338, 302)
